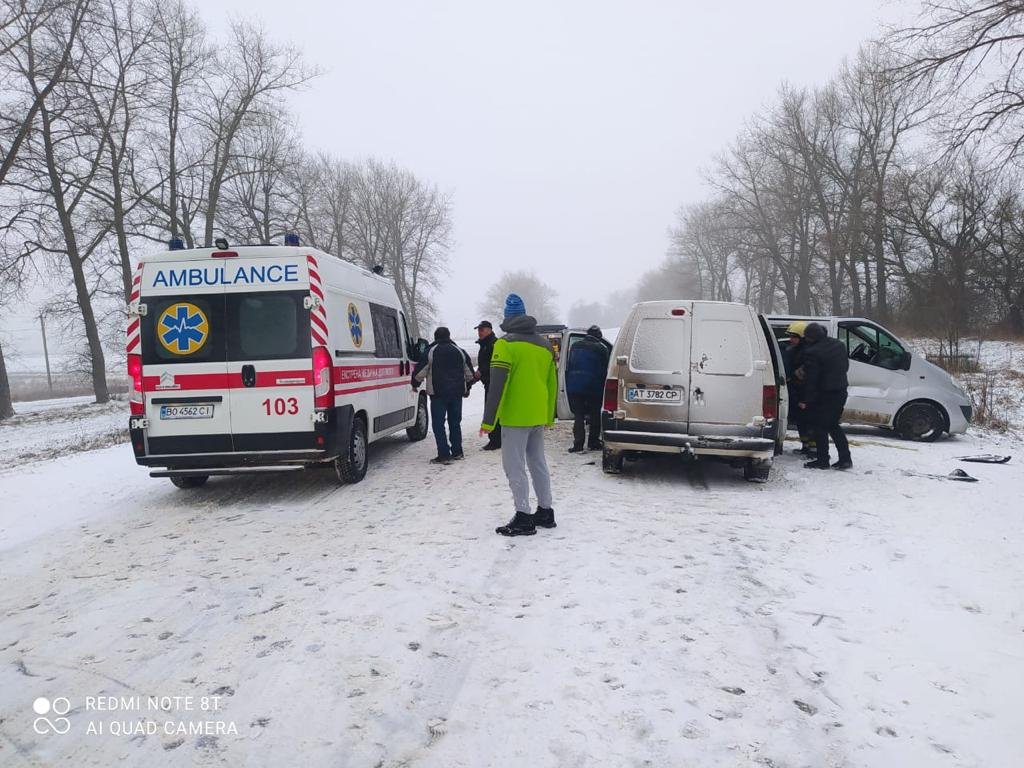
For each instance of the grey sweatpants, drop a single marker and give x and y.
(523, 447)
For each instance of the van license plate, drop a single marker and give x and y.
(186, 411)
(641, 395)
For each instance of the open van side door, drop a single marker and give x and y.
(569, 338)
(782, 398)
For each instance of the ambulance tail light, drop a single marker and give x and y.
(323, 381)
(770, 402)
(611, 394)
(135, 400)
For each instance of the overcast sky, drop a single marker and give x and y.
(567, 132)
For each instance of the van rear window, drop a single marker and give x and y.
(183, 329)
(722, 347)
(268, 326)
(659, 345)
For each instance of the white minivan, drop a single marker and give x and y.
(265, 357)
(700, 378)
(889, 385)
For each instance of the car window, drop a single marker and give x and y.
(184, 329)
(385, 331)
(659, 346)
(871, 345)
(267, 326)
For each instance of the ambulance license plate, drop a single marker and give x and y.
(186, 411)
(641, 395)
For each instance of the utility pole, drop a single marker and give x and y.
(46, 354)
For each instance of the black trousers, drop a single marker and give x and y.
(584, 408)
(494, 436)
(825, 415)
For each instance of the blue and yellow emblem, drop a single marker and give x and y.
(355, 325)
(183, 329)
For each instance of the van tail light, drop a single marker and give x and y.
(611, 394)
(135, 399)
(323, 381)
(770, 402)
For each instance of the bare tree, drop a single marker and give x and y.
(973, 51)
(538, 296)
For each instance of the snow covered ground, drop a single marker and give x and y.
(43, 429)
(677, 616)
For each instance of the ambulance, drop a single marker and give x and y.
(265, 358)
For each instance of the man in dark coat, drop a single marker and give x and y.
(486, 340)
(825, 364)
(792, 361)
(447, 372)
(585, 372)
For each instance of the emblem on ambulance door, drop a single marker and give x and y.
(355, 325)
(182, 329)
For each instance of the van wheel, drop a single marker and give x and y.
(756, 471)
(920, 421)
(419, 430)
(350, 466)
(189, 481)
(611, 462)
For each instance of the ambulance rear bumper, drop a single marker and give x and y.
(244, 450)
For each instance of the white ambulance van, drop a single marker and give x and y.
(263, 358)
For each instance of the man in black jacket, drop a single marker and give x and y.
(486, 340)
(585, 371)
(447, 371)
(825, 364)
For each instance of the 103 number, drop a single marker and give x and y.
(280, 406)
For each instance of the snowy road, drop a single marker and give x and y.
(677, 616)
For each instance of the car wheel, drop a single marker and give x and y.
(756, 471)
(418, 431)
(611, 462)
(350, 466)
(920, 421)
(189, 481)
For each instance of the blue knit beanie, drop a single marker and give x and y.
(514, 306)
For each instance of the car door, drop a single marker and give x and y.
(394, 395)
(878, 383)
(725, 373)
(184, 367)
(271, 370)
(657, 375)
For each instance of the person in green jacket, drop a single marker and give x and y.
(521, 396)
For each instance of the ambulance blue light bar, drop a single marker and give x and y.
(292, 238)
(176, 244)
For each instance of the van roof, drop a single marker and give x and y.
(256, 252)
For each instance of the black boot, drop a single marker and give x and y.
(492, 447)
(522, 524)
(595, 445)
(843, 464)
(544, 518)
(576, 449)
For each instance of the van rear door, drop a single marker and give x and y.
(183, 340)
(725, 388)
(269, 362)
(657, 373)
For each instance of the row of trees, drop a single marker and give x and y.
(124, 124)
(891, 191)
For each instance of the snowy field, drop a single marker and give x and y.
(677, 616)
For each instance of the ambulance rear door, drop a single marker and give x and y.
(269, 355)
(183, 344)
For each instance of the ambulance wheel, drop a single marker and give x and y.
(190, 481)
(350, 466)
(419, 430)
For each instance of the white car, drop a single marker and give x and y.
(890, 385)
